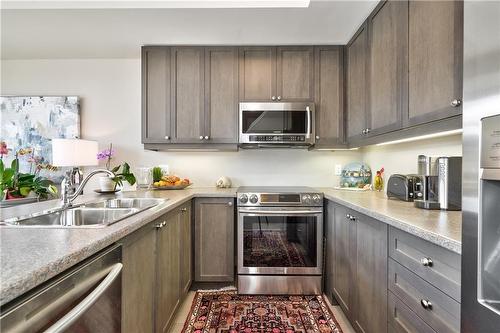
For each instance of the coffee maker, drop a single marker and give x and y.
(441, 185)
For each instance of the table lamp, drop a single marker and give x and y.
(74, 153)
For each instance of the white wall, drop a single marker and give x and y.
(110, 112)
(402, 158)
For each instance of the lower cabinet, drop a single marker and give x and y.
(357, 268)
(214, 239)
(157, 271)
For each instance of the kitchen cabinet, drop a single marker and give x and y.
(168, 270)
(221, 94)
(138, 280)
(156, 95)
(356, 85)
(214, 239)
(356, 267)
(276, 73)
(186, 269)
(328, 98)
(188, 90)
(387, 70)
(435, 60)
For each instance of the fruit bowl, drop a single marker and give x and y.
(171, 182)
(171, 187)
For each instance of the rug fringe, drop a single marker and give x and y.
(230, 288)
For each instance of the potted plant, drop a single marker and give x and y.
(122, 172)
(18, 185)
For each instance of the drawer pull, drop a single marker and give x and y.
(427, 262)
(184, 210)
(426, 304)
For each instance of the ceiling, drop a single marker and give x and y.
(119, 33)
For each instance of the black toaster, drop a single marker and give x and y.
(404, 187)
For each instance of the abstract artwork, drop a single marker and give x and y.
(33, 121)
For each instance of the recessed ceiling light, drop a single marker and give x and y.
(110, 4)
(421, 137)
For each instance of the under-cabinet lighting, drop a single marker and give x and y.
(336, 149)
(422, 137)
(110, 4)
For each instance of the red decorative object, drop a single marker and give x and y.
(226, 311)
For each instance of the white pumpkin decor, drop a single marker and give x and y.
(223, 182)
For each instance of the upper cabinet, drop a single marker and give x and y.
(356, 104)
(387, 69)
(329, 95)
(276, 73)
(435, 60)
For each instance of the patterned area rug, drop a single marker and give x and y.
(226, 311)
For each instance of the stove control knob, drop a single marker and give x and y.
(306, 199)
(243, 198)
(254, 199)
(316, 199)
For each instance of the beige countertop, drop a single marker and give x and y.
(443, 228)
(31, 256)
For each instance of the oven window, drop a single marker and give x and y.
(280, 241)
(279, 122)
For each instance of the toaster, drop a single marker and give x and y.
(404, 187)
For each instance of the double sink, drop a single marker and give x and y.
(88, 215)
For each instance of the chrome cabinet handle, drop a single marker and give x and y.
(456, 103)
(184, 210)
(201, 137)
(229, 203)
(279, 98)
(273, 98)
(161, 224)
(207, 137)
(75, 313)
(347, 216)
(367, 131)
(426, 304)
(427, 262)
(363, 131)
(317, 137)
(167, 137)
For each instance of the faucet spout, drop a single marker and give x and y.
(66, 198)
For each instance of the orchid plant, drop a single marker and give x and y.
(120, 176)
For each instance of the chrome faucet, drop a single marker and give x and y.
(66, 198)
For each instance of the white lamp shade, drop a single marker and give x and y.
(74, 152)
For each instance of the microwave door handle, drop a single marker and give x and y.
(75, 313)
(308, 132)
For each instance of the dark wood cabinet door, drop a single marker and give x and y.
(295, 73)
(214, 239)
(168, 271)
(221, 94)
(371, 275)
(257, 72)
(344, 260)
(329, 94)
(329, 229)
(188, 94)
(435, 60)
(388, 75)
(156, 98)
(186, 248)
(138, 280)
(356, 85)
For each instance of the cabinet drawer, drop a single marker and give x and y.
(403, 320)
(433, 263)
(437, 309)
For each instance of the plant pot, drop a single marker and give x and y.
(106, 184)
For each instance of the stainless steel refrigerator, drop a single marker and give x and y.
(481, 168)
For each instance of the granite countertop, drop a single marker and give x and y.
(443, 228)
(31, 256)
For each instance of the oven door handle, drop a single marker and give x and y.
(281, 212)
(308, 131)
(75, 313)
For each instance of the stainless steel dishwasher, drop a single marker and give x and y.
(87, 298)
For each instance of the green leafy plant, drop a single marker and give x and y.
(157, 174)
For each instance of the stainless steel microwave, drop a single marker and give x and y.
(276, 124)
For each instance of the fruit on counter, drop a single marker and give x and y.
(171, 180)
(157, 174)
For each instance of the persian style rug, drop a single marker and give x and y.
(226, 311)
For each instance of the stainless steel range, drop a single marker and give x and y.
(280, 240)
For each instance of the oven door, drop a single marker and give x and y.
(277, 122)
(280, 240)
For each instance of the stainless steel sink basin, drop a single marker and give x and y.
(139, 203)
(89, 215)
(73, 217)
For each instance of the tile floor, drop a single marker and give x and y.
(183, 312)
